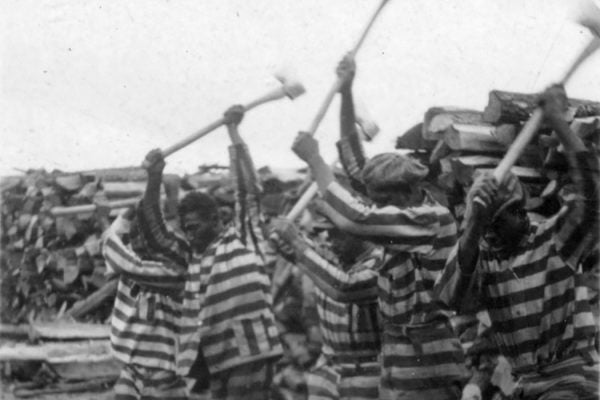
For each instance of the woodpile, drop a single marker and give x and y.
(459, 143)
(53, 274)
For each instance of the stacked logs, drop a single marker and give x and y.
(459, 143)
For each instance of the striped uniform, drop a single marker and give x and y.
(348, 317)
(422, 357)
(226, 317)
(537, 303)
(149, 383)
(145, 320)
(227, 308)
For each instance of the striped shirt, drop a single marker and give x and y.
(417, 242)
(419, 349)
(535, 298)
(146, 312)
(349, 322)
(346, 303)
(227, 308)
(227, 313)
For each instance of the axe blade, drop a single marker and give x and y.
(291, 86)
(367, 127)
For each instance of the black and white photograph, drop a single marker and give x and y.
(300, 200)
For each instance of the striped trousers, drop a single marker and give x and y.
(250, 381)
(328, 381)
(574, 378)
(422, 363)
(141, 383)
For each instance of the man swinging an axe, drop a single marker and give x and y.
(529, 274)
(421, 356)
(227, 338)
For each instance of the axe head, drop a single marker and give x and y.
(292, 87)
(588, 15)
(367, 127)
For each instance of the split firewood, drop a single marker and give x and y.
(67, 330)
(413, 139)
(476, 138)
(57, 352)
(89, 304)
(90, 385)
(438, 119)
(514, 108)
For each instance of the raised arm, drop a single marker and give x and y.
(121, 260)
(576, 229)
(160, 239)
(247, 186)
(349, 146)
(354, 287)
(407, 229)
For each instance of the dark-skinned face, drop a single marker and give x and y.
(511, 225)
(199, 230)
(347, 247)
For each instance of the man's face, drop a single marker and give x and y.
(384, 198)
(199, 230)
(347, 247)
(511, 225)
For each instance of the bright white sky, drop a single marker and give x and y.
(92, 84)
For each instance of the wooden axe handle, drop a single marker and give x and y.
(306, 198)
(338, 83)
(516, 148)
(534, 122)
(303, 201)
(273, 95)
(591, 47)
(89, 208)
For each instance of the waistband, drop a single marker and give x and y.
(409, 330)
(352, 359)
(586, 356)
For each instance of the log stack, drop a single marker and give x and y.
(458, 143)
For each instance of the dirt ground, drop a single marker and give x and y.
(6, 394)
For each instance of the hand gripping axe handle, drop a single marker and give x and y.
(287, 89)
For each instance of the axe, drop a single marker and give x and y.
(289, 88)
(338, 83)
(368, 129)
(312, 189)
(591, 20)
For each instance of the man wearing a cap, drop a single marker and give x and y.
(529, 274)
(421, 356)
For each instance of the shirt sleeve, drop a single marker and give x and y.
(454, 288)
(576, 231)
(412, 229)
(158, 237)
(120, 259)
(248, 219)
(342, 286)
(352, 157)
